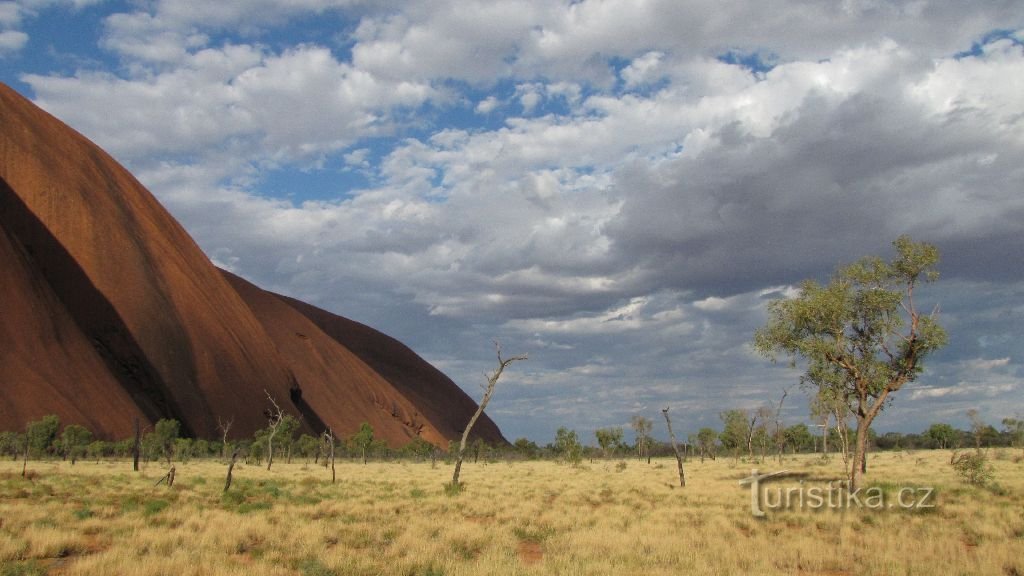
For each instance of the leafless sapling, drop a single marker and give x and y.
(492, 381)
(274, 418)
(224, 427)
(675, 447)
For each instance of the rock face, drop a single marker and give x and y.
(111, 312)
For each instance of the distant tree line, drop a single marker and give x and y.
(742, 434)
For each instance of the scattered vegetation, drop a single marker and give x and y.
(524, 517)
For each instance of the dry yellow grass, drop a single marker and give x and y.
(518, 518)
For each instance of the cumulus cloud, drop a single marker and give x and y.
(595, 180)
(12, 40)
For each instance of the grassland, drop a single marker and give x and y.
(513, 518)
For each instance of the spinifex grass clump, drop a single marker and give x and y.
(535, 517)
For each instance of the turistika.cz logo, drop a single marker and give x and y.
(833, 495)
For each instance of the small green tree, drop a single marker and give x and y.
(308, 447)
(974, 468)
(862, 333)
(164, 436)
(706, 442)
(418, 448)
(527, 449)
(74, 440)
(942, 435)
(363, 439)
(734, 432)
(609, 439)
(799, 437)
(11, 444)
(41, 434)
(567, 446)
(1015, 428)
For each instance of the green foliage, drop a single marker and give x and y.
(363, 439)
(160, 442)
(706, 440)
(798, 437)
(73, 441)
(942, 435)
(1015, 428)
(526, 448)
(29, 568)
(307, 446)
(153, 507)
(609, 439)
(734, 432)
(453, 489)
(974, 468)
(41, 434)
(11, 443)
(418, 448)
(850, 331)
(861, 335)
(567, 446)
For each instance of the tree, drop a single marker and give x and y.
(942, 435)
(567, 446)
(642, 428)
(163, 437)
(734, 432)
(363, 439)
(224, 427)
(41, 434)
(1015, 428)
(309, 447)
(418, 448)
(675, 447)
(527, 449)
(861, 334)
(280, 427)
(706, 442)
(608, 439)
(492, 382)
(74, 440)
(798, 437)
(12, 443)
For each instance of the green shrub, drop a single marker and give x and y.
(974, 468)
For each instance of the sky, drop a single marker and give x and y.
(615, 188)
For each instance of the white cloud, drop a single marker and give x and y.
(12, 41)
(642, 70)
(631, 234)
(487, 105)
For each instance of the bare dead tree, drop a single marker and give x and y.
(750, 433)
(231, 466)
(274, 419)
(780, 437)
(169, 478)
(492, 381)
(224, 427)
(329, 440)
(675, 447)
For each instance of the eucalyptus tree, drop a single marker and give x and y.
(862, 334)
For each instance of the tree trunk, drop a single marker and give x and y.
(231, 466)
(675, 448)
(492, 381)
(333, 473)
(137, 446)
(857, 469)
